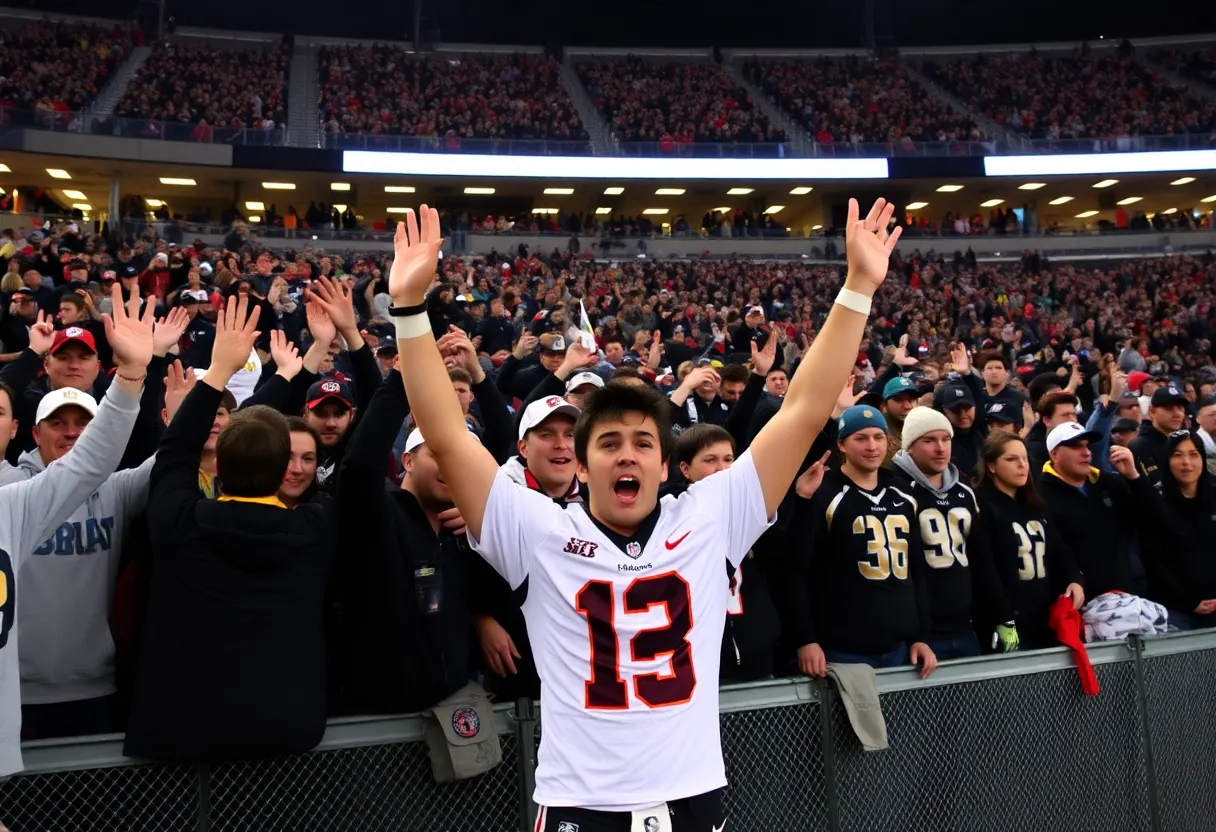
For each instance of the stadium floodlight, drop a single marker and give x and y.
(1170, 211)
(991, 203)
(1086, 214)
(773, 209)
(1211, 198)
(1106, 183)
(279, 186)
(154, 203)
(79, 195)
(656, 210)
(802, 190)
(1061, 200)
(1032, 186)
(1183, 180)
(398, 189)
(177, 180)
(614, 191)
(568, 168)
(739, 191)
(339, 186)
(915, 206)
(58, 173)
(603, 210)
(1130, 200)
(255, 206)
(481, 191)
(559, 191)
(949, 189)
(669, 192)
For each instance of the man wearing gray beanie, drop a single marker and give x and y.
(959, 561)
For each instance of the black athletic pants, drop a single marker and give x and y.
(700, 813)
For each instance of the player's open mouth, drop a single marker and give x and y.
(559, 460)
(626, 488)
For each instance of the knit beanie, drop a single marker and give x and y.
(922, 420)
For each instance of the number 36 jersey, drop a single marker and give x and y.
(627, 635)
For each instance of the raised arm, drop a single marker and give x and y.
(781, 446)
(466, 466)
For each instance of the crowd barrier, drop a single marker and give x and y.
(985, 745)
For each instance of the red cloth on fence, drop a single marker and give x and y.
(1069, 628)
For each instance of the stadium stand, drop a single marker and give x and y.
(858, 100)
(383, 89)
(673, 103)
(211, 87)
(59, 67)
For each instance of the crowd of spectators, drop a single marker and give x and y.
(211, 87)
(854, 100)
(1198, 63)
(385, 90)
(674, 103)
(58, 67)
(1079, 96)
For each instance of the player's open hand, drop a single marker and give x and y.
(415, 256)
(809, 481)
(869, 246)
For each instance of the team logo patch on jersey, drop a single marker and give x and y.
(567, 826)
(634, 549)
(651, 824)
(582, 548)
(466, 723)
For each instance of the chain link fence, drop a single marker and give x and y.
(982, 747)
(1181, 702)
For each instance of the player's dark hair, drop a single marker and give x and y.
(697, 438)
(613, 402)
(1050, 401)
(988, 356)
(460, 374)
(228, 400)
(735, 372)
(72, 300)
(253, 451)
(994, 446)
(1040, 385)
(297, 424)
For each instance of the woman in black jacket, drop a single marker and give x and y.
(1033, 560)
(1182, 572)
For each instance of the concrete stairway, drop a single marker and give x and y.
(800, 142)
(603, 143)
(303, 120)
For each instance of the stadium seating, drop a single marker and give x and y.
(858, 100)
(384, 90)
(211, 86)
(1081, 95)
(60, 67)
(646, 101)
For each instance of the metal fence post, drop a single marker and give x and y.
(827, 696)
(1136, 644)
(202, 821)
(525, 742)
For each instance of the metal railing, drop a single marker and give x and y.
(985, 745)
(12, 120)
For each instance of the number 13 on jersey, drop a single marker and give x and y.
(605, 689)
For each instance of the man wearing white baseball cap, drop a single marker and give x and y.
(581, 384)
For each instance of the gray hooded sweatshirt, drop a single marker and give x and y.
(904, 463)
(67, 585)
(29, 511)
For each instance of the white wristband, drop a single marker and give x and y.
(855, 301)
(412, 326)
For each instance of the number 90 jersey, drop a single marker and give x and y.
(627, 635)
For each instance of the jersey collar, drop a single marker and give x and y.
(640, 537)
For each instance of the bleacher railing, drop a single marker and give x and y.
(13, 121)
(985, 745)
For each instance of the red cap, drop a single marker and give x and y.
(1134, 380)
(73, 333)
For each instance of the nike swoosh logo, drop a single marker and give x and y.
(720, 828)
(671, 546)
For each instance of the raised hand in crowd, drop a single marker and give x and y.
(458, 351)
(169, 330)
(235, 334)
(809, 481)
(323, 332)
(525, 345)
(42, 334)
(415, 255)
(130, 336)
(337, 301)
(901, 356)
(960, 359)
(178, 383)
(287, 359)
(577, 358)
(848, 397)
(1124, 462)
(764, 357)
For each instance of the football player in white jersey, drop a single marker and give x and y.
(626, 600)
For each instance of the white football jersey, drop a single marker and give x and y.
(626, 636)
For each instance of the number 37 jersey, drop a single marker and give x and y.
(627, 635)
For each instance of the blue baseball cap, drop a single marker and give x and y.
(897, 385)
(859, 417)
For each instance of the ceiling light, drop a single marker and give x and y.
(58, 173)
(1060, 200)
(949, 189)
(739, 191)
(75, 195)
(339, 186)
(1032, 186)
(603, 210)
(1085, 214)
(1186, 180)
(801, 191)
(816, 227)
(1106, 183)
(1170, 211)
(339, 208)
(255, 206)
(544, 210)
(772, 209)
(991, 203)
(1130, 200)
(84, 206)
(5, 169)
(915, 206)
(153, 203)
(479, 190)
(614, 191)
(396, 210)
(398, 189)
(669, 192)
(559, 191)
(655, 211)
(279, 186)
(1211, 198)
(255, 218)
(721, 210)
(176, 180)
